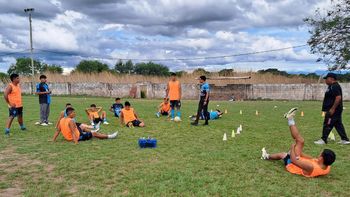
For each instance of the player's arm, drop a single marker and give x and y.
(180, 91)
(306, 156)
(72, 127)
(136, 116)
(207, 96)
(59, 119)
(111, 109)
(99, 109)
(167, 91)
(307, 167)
(40, 90)
(121, 118)
(87, 110)
(8, 90)
(57, 133)
(335, 105)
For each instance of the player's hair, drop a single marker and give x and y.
(13, 76)
(69, 110)
(92, 105)
(166, 99)
(203, 78)
(328, 157)
(42, 77)
(117, 99)
(127, 103)
(173, 74)
(67, 104)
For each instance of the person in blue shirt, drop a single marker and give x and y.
(42, 89)
(203, 101)
(117, 107)
(212, 115)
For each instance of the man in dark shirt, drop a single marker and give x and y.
(333, 106)
(42, 89)
(203, 101)
(117, 107)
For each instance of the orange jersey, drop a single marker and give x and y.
(15, 95)
(94, 114)
(165, 107)
(66, 131)
(129, 115)
(317, 171)
(174, 90)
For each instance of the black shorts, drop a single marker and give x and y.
(97, 120)
(175, 103)
(14, 112)
(165, 113)
(84, 135)
(78, 124)
(135, 123)
(287, 160)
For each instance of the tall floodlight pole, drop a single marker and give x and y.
(29, 11)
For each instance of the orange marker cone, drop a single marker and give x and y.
(302, 114)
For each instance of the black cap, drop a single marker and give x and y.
(333, 75)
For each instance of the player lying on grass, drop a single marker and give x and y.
(71, 132)
(128, 117)
(116, 108)
(212, 115)
(164, 108)
(94, 114)
(296, 161)
(84, 127)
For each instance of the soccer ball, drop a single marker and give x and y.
(177, 119)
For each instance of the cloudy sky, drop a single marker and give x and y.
(67, 31)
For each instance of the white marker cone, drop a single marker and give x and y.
(240, 127)
(225, 111)
(238, 131)
(257, 113)
(233, 133)
(240, 112)
(225, 137)
(331, 136)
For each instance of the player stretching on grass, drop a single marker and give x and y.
(94, 115)
(296, 161)
(174, 92)
(129, 118)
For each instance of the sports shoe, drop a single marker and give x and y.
(157, 114)
(105, 122)
(7, 133)
(171, 119)
(291, 113)
(97, 126)
(44, 124)
(37, 123)
(344, 142)
(320, 142)
(194, 123)
(264, 154)
(49, 123)
(92, 124)
(114, 135)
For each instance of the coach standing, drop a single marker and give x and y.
(333, 106)
(42, 89)
(203, 101)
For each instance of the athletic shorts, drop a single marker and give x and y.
(135, 123)
(78, 124)
(14, 112)
(97, 120)
(165, 113)
(175, 103)
(84, 135)
(287, 160)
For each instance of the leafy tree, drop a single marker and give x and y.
(126, 68)
(23, 67)
(151, 68)
(226, 72)
(52, 68)
(4, 77)
(200, 71)
(310, 75)
(330, 34)
(180, 73)
(91, 66)
(274, 71)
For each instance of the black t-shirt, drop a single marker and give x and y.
(117, 108)
(43, 98)
(333, 91)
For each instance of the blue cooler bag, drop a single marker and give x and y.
(147, 143)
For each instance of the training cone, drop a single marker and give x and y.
(302, 114)
(257, 113)
(240, 112)
(331, 136)
(233, 133)
(240, 127)
(225, 111)
(225, 137)
(323, 114)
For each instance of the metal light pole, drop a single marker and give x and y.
(29, 11)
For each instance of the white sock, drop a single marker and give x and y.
(112, 136)
(291, 122)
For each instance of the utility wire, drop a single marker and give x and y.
(13, 53)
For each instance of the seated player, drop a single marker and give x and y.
(296, 161)
(212, 115)
(116, 108)
(164, 108)
(84, 127)
(129, 117)
(71, 132)
(94, 115)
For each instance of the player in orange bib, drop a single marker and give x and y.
(164, 108)
(94, 115)
(296, 161)
(71, 132)
(173, 92)
(129, 118)
(13, 98)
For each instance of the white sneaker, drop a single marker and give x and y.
(114, 135)
(158, 115)
(105, 122)
(50, 123)
(172, 119)
(92, 124)
(44, 124)
(264, 154)
(291, 113)
(37, 123)
(344, 142)
(320, 142)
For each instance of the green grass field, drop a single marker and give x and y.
(189, 161)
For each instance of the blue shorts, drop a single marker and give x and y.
(84, 135)
(287, 160)
(14, 112)
(135, 123)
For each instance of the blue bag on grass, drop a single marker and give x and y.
(147, 143)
